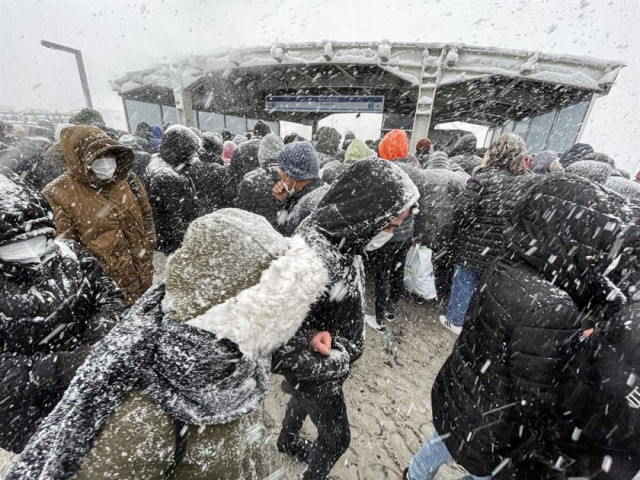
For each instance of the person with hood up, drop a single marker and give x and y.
(211, 150)
(175, 391)
(423, 149)
(243, 161)
(357, 150)
(327, 143)
(300, 188)
(508, 402)
(260, 130)
(103, 206)
(26, 159)
(464, 153)
(360, 211)
(54, 163)
(480, 220)
(172, 193)
(57, 302)
(255, 190)
(156, 139)
(596, 172)
(545, 162)
(438, 201)
(387, 262)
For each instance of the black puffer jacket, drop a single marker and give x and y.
(328, 141)
(26, 158)
(481, 216)
(209, 181)
(255, 193)
(211, 151)
(49, 316)
(363, 201)
(501, 393)
(172, 192)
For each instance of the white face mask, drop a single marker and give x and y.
(378, 241)
(27, 251)
(104, 167)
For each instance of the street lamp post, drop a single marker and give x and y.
(81, 70)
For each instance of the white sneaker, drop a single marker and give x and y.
(447, 324)
(373, 323)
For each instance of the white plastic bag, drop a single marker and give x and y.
(419, 277)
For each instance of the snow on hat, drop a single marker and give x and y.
(357, 150)
(235, 276)
(238, 139)
(86, 116)
(128, 141)
(597, 172)
(438, 160)
(423, 145)
(269, 149)
(299, 161)
(394, 145)
(575, 153)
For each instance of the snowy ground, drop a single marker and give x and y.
(388, 397)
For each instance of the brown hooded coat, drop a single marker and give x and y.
(113, 222)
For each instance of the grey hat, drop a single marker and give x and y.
(299, 161)
(596, 172)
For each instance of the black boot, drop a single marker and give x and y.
(296, 447)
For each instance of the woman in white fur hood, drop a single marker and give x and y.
(174, 391)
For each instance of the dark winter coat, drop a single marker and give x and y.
(172, 192)
(332, 170)
(438, 199)
(327, 143)
(362, 202)
(49, 316)
(243, 161)
(407, 229)
(255, 193)
(294, 210)
(111, 219)
(211, 151)
(500, 394)
(464, 153)
(54, 164)
(209, 181)
(480, 219)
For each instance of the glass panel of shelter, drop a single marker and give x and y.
(142, 112)
(567, 126)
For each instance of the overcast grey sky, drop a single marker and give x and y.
(120, 35)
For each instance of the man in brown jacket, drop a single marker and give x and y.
(103, 206)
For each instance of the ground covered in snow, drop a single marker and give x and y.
(388, 397)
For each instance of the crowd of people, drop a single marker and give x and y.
(268, 245)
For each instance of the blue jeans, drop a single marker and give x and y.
(462, 288)
(425, 464)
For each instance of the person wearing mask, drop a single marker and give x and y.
(438, 200)
(327, 143)
(520, 396)
(464, 153)
(176, 389)
(103, 206)
(172, 193)
(255, 190)
(300, 187)
(480, 220)
(57, 303)
(387, 262)
(361, 210)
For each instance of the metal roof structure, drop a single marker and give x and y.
(433, 83)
